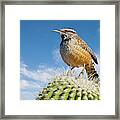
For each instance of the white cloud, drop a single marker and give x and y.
(43, 73)
(29, 89)
(57, 57)
(23, 84)
(26, 84)
(28, 95)
(35, 80)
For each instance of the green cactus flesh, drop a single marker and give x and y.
(64, 88)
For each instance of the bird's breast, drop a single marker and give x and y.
(73, 54)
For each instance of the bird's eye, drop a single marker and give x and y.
(65, 36)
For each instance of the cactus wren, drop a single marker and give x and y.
(76, 53)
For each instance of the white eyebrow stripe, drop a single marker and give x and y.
(70, 30)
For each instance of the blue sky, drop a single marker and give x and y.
(39, 49)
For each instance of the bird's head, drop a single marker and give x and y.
(66, 33)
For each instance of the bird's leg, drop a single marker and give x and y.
(71, 68)
(82, 72)
(70, 71)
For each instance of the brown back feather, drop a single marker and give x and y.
(84, 45)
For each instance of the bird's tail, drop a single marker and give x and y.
(91, 72)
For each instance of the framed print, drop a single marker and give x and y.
(60, 59)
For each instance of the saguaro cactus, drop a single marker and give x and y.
(66, 87)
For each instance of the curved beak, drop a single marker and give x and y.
(57, 31)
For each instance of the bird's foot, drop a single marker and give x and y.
(70, 72)
(81, 75)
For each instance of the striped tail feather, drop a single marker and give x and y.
(91, 72)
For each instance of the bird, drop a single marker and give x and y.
(75, 52)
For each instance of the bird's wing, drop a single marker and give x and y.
(84, 45)
(92, 55)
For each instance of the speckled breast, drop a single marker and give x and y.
(74, 55)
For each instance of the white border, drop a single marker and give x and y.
(13, 15)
